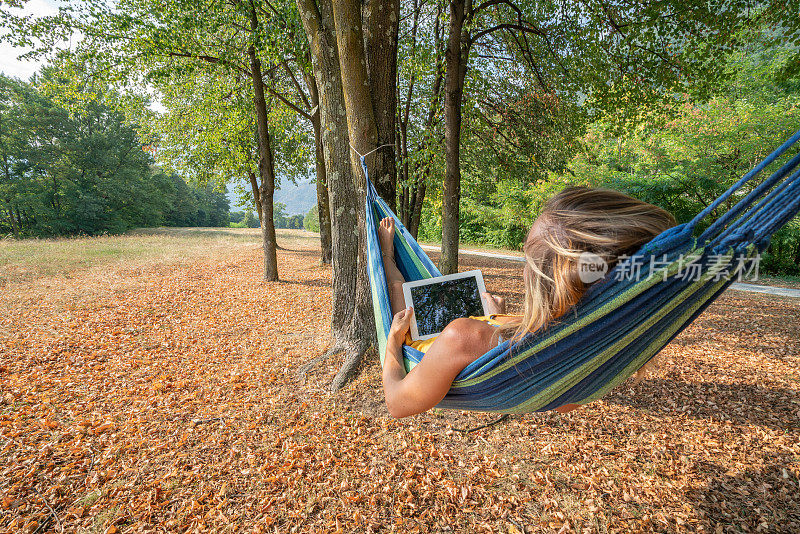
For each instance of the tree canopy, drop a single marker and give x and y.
(84, 172)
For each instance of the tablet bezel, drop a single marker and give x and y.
(477, 274)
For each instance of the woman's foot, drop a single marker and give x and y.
(386, 236)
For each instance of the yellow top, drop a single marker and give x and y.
(423, 345)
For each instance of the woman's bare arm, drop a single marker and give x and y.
(461, 342)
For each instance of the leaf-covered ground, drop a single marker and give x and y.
(159, 392)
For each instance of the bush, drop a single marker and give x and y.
(311, 220)
(251, 220)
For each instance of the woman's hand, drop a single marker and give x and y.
(494, 304)
(400, 325)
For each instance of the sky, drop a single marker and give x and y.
(9, 64)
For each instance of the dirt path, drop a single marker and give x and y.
(737, 286)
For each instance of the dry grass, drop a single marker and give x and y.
(32, 259)
(159, 393)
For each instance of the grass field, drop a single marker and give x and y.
(28, 260)
(148, 383)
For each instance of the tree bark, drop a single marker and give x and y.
(422, 171)
(362, 134)
(416, 214)
(416, 179)
(381, 26)
(323, 201)
(256, 193)
(407, 202)
(456, 60)
(361, 126)
(351, 324)
(402, 145)
(402, 172)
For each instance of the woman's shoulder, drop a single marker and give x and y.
(467, 339)
(467, 327)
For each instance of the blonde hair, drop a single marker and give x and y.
(578, 220)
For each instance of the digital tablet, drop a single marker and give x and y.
(437, 301)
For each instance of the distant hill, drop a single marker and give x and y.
(298, 198)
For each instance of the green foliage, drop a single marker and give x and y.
(196, 58)
(279, 214)
(85, 172)
(681, 158)
(246, 219)
(250, 220)
(685, 162)
(282, 220)
(311, 220)
(72, 173)
(668, 101)
(213, 207)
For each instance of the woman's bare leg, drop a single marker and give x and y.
(394, 278)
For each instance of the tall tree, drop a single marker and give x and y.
(323, 197)
(381, 24)
(73, 171)
(306, 105)
(351, 323)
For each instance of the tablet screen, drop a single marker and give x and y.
(436, 305)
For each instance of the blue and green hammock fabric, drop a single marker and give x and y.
(623, 320)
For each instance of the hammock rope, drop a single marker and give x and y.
(623, 320)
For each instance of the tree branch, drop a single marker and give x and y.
(507, 26)
(208, 59)
(297, 86)
(287, 102)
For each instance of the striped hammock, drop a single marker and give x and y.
(623, 320)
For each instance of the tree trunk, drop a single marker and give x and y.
(362, 133)
(266, 163)
(402, 130)
(456, 59)
(323, 202)
(361, 126)
(256, 193)
(381, 26)
(351, 324)
(417, 184)
(402, 145)
(416, 213)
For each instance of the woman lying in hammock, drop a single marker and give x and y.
(577, 220)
